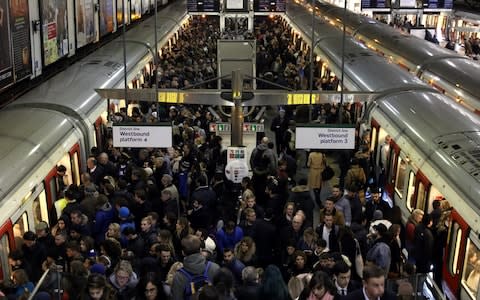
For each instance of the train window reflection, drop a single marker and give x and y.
(65, 161)
(391, 164)
(410, 191)
(372, 139)
(400, 177)
(4, 250)
(19, 228)
(53, 188)
(76, 168)
(421, 195)
(39, 206)
(471, 269)
(455, 243)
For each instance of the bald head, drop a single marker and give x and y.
(265, 140)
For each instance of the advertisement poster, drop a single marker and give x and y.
(5, 46)
(54, 30)
(120, 13)
(106, 17)
(85, 24)
(135, 9)
(20, 31)
(145, 6)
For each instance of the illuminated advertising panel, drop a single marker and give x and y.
(6, 76)
(54, 30)
(135, 9)
(85, 24)
(20, 31)
(120, 13)
(106, 17)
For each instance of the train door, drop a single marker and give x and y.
(380, 152)
(404, 183)
(470, 279)
(455, 252)
(99, 134)
(391, 173)
(420, 195)
(6, 241)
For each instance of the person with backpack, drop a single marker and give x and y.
(195, 273)
(263, 164)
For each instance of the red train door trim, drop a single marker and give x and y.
(453, 281)
(390, 184)
(421, 178)
(51, 175)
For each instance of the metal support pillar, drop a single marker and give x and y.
(237, 112)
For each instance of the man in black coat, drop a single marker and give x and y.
(373, 286)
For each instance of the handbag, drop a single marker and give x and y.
(358, 260)
(327, 173)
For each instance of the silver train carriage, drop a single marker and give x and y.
(59, 121)
(451, 73)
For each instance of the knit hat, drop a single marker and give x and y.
(97, 269)
(123, 212)
(377, 215)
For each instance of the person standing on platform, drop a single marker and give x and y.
(315, 165)
(279, 127)
(262, 162)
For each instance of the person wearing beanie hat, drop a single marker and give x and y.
(123, 212)
(97, 269)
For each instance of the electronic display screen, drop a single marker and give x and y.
(375, 4)
(269, 5)
(203, 5)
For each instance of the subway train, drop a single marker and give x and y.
(454, 75)
(59, 121)
(429, 157)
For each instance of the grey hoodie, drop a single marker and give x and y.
(195, 264)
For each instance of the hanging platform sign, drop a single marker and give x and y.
(335, 136)
(137, 135)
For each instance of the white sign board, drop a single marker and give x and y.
(236, 170)
(141, 136)
(325, 137)
(234, 4)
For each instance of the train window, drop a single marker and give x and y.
(75, 167)
(400, 177)
(4, 250)
(39, 206)
(68, 174)
(391, 164)
(410, 202)
(471, 269)
(53, 187)
(373, 139)
(19, 228)
(455, 243)
(421, 196)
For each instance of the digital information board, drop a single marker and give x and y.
(269, 5)
(203, 5)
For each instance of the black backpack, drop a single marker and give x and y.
(260, 161)
(195, 282)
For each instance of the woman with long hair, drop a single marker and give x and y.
(150, 287)
(245, 251)
(273, 286)
(320, 287)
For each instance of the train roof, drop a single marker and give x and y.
(453, 145)
(74, 87)
(29, 139)
(459, 71)
(364, 68)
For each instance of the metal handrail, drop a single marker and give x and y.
(39, 284)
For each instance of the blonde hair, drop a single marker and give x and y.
(173, 269)
(116, 230)
(124, 265)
